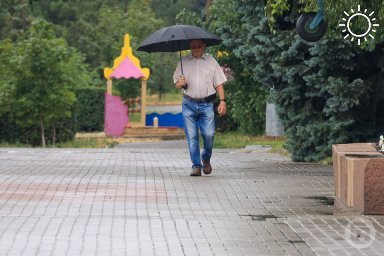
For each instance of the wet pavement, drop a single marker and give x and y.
(138, 199)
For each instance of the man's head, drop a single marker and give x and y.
(197, 47)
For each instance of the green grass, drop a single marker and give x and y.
(327, 161)
(168, 99)
(76, 143)
(14, 145)
(134, 117)
(236, 140)
(87, 143)
(222, 140)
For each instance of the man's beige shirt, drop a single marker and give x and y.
(203, 75)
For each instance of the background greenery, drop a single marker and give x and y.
(89, 111)
(53, 52)
(326, 92)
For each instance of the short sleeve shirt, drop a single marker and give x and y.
(203, 75)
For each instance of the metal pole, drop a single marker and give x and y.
(181, 66)
(181, 63)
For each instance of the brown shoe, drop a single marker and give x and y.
(207, 167)
(196, 171)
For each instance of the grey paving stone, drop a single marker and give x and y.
(138, 199)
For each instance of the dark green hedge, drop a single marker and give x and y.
(87, 116)
(11, 131)
(89, 110)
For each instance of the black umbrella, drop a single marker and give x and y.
(176, 38)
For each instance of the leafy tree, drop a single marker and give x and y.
(168, 10)
(6, 77)
(321, 89)
(8, 129)
(162, 73)
(46, 73)
(89, 109)
(14, 18)
(96, 28)
(246, 96)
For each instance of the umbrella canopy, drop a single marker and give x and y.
(176, 38)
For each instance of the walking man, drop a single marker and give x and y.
(202, 79)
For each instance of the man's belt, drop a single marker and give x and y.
(208, 99)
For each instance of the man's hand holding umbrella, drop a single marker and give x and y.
(181, 83)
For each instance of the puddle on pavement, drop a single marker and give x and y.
(325, 200)
(296, 241)
(259, 217)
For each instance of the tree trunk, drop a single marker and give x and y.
(42, 131)
(160, 91)
(126, 6)
(54, 135)
(208, 4)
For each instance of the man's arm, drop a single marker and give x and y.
(220, 91)
(222, 109)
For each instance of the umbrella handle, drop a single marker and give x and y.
(181, 65)
(186, 85)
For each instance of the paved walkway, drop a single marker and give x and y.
(138, 199)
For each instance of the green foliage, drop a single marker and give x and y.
(246, 97)
(319, 102)
(327, 92)
(9, 131)
(96, 28)
(42, 73)
(162, 9)
(14, 18)
(190, 18)
(6, 78)
(89, 143)
(89, 110)
(39, 72)
(139, 21)
(247, 107)
(162, 70)
(278, 7)
(238, 140)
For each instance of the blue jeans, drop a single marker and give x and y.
(199, 116)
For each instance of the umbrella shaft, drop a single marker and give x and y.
(181, 62)
(181, 66)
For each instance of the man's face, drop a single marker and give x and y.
(197, 48)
